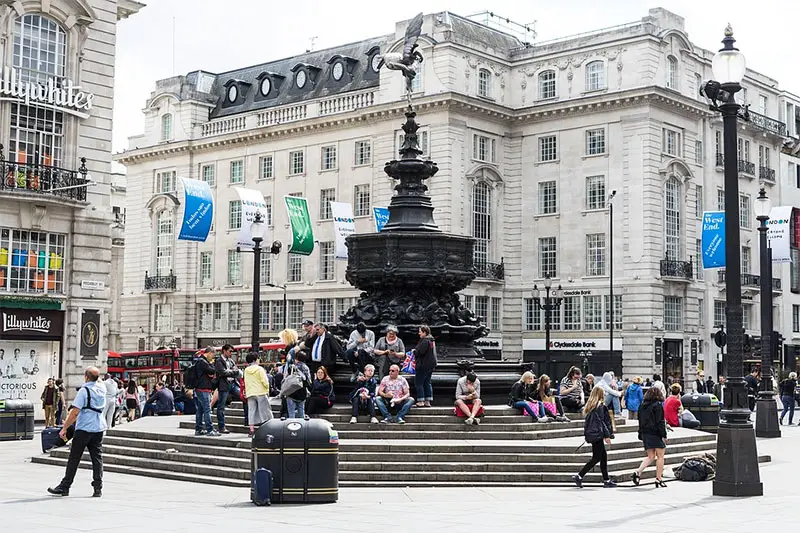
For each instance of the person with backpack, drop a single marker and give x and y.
(633, 398)
(296, 400)
(653, 434)
(200, 377)
(787, 388)
(598, 432)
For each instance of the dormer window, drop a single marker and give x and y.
(235, 92)
(338, 70)
(300, 79)
(265, 86)
(373, 60)
(269, 85)
(341, 68)
(305, 75)
(376, 60)
(232, 94)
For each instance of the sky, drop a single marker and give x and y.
(171, 37)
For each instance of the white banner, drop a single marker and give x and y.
(778, 233)
(343, 225)
(252, 202)
(24, 369)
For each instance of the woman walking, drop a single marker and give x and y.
(425, 354)
(633, 398)
(653, 434)
(256, 390)
(787, 388)
(132, 400)
(598, 432)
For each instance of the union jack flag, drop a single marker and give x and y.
(410, 364)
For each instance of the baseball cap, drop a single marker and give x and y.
(307, 322)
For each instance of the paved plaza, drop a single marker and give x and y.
(132, 503)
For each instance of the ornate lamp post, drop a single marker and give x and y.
(737, 457)
(766, 408)
(552, 301)
(257, 234)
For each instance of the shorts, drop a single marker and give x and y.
(130, 403)
(652, 442)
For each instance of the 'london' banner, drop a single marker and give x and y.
(343, 225)
(300, 220)
(381, 217)
(778, 233)
(198, 210)
(713, 239)
(252, 202)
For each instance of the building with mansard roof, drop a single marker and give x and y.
(531, 139)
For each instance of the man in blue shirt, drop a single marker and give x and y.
(86, 412)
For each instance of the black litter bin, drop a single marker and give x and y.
(705, 407)
(16, 420)
(303, 456)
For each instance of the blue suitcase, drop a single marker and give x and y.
(50, 439)
(261, 487)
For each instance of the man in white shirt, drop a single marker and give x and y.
(112, 389)
(324, 351)
(360, 347)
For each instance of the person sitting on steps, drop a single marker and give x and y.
(321, 397)
(571, 391)
(360, 348)
(674, 413)
(363, 396)
(394, 393)
(522, 397)
(468, 399)
(552, 404)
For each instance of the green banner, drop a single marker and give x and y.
(302, 234)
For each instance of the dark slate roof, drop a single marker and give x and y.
(282, 72)
(476, 33)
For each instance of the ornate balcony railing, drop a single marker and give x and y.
(764, 123)
(160, 283)
(676, 269)
(752, 280)
(44, 180)
(746, 167)
(766, 174)
(494, 271)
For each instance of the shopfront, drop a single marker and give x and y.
(591, 355)
(216, 342)
(492, 348)
(30, 353)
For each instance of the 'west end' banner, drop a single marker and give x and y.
(381, 217)
(713, 239)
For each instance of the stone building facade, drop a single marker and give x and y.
(530, 139)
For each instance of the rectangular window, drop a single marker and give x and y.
(596, 254)
(343, 305)
(796, 318)
(743, 150)
(547, 84)
(165, 181)
(219, 317)
(698, 201)
(495, 314)
(484, 77)
(698, 152)
(206, 269)
(325, 310)
(268, 210)
(235, 214)
(548, 257)
(204, 322)
(207, 174)
(593, 312)
(617, 311)
(548, 148)
(746, 260)
(744, 210)
(671, 142)
(363, 153)
(572, 313)
(297, 162)
(720, 200)
(698, 258)
(328, 157)
(265, 167)
(33, 262)
(326, 196)
(701, 312)
(295, 312)
(326, 261)
(673, 313)
(720, 318)
(596, 141)
(263, 316)
(794, 176)
(237, 171)
(162, 318)
(794, 269)
(234, 316)
(276, 315)
(747, 316)
(484, 148)
(234, 267)
(361, 200)
(468, 300)
(595, 192)
(166, 127)
(482, 308)
(548, 203)
(718, 147)
(532, 316)
(295, 268)
(762, 104)
(265, 270)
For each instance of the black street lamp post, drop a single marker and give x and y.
(173, 359)
(257, 234)
(766, 408)
(737, 457)
(611, 276)
(552, 301)
(285, 303)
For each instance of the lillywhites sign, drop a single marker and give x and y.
(63, 96)
(13, 323)
(31, 324)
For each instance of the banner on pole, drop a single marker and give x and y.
(252, 203)
(779, 234)
(198, 210)
(381, 217)
(343, 225)
(300, 220)
(713, 239)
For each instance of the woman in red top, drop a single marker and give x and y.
(673, 406)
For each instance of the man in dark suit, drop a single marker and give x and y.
(324, 350)
(227, 373)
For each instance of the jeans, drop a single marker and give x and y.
(422, 382)
(81, 441)
(202, 403)
(358, 359)
(368, 404)
(613, 401)
(525, 406)
(149, 409)
(222, 399)
(571, 402)
(179, 407)
(59, 413)
(599, 455)
(384, 405)
(788, 405)
(295, 408)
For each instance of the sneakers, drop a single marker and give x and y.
(477, 421)
(543, 419)
(562, 418)
(98, 492)
(400, 420)
(58, 491)
(199, 433)
(353, 420)
(469, 421)
(225, 431)
(373, 420)
(387, 420)
(578, 481)
(213, 433)
(609, 483)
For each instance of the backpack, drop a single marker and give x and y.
(89, 403)
(190, 376)
(594, 429)
(694, 469)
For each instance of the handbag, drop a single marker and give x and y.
(410, 363)
(292, 383)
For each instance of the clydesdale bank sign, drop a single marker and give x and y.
(55, 93)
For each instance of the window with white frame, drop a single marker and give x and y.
(204, 317)
(363, 153)
(747, 259)
(294, 268)
(596, 141)
(596, 254)
(416, 83)
(747, 316)
(219, 317)
(326, 261)
(698, 258)
(743, 149)
(762, 104)
(265, 268)
(494, 313)
(263, 315)
(162, 319)
(277, 309)
(572, 313)
(235, 214)
(234, 267)
(297, 162)
(361, 200)
(484, 83)
(595, 76)
(268, 210)
(237, 171)
(547, 84)
(548, 257)
(698, 83)
(744, 210)
(795, 318)
(325, 310)
(595, 192)
(482, 308)
(328, 157)
(548, 201)
(468, 301)
(234, 316)
(671, 142)
(698, 201)
(166, 127)
(672, 219)
(295, 312)
(555, 318)
(206, 269)
(617, 312)
(266, 167)
(720, 199)
(718, 146)
(326, 196)
(533, 320)
(482, 221)
(672, 73)
(484, 148)
(165, 240)
(673, 313)
(207, 174)
(701, 312)
(548, 148)
(698, 152)
(165, 181)
(720, 316)
(593, 312)
(763, 156)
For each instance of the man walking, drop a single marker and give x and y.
(111, 400)
(50, 399)
(86, 412)
(227, 372)
(202, 394)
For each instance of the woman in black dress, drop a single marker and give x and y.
(653, 433)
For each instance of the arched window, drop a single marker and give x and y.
(165, 238)
(595, 76)
(36, 135)
(484, 83)
(482, 220)
(547, 84)
(672, 73)
(672, 219)
(166, 127)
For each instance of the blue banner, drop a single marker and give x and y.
(713, 239)
(198, 210)
(381, 217)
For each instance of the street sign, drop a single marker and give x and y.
(720, 338)
(92, 285)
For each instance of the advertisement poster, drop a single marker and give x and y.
(252, 202)
(381, 217)
(344, 225)
(198, 210)
(713, 239)
(778, 233)
(25, 367)
(300, 220)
